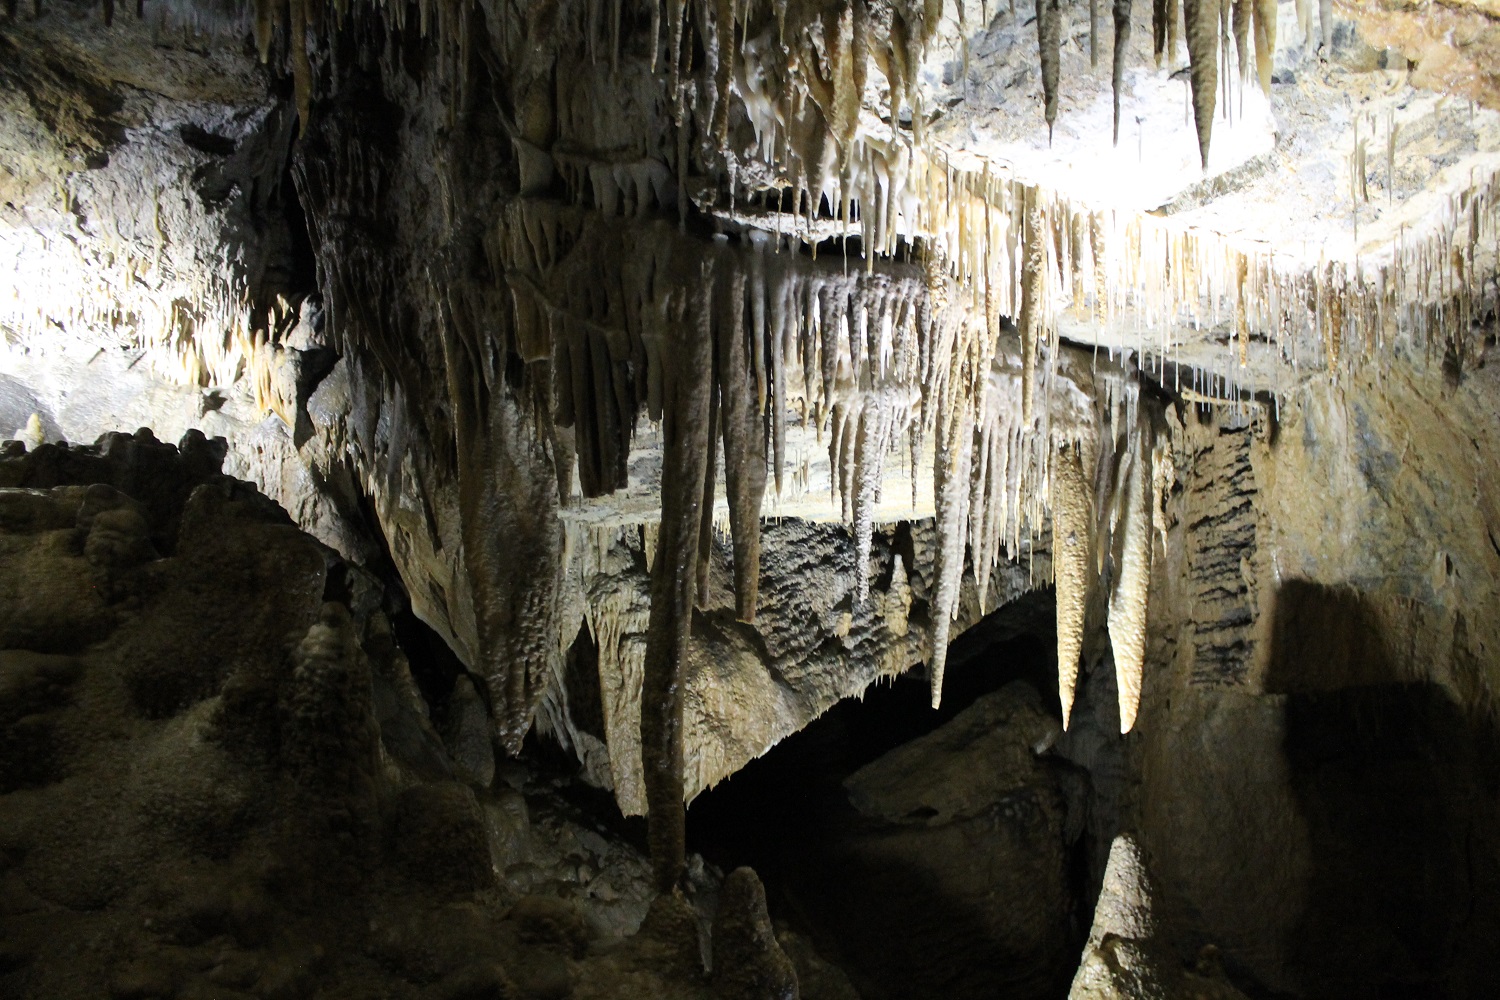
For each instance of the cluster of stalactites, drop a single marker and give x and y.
(1107, 495)
(853, 355)
(1114, 268)
(877, 362)
(194, 325)
(800, 71)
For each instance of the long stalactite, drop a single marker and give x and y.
(1117, 71)
(1202, 18)
(1071, 524)
(687, 330)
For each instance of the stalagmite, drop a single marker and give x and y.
(1071, 520)
(685, 450)
(1127, 606)
(1203, 55)
(1049, 39)
(1122, 38)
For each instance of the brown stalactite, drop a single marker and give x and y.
(743, 424)
(684, 460)
(1158, 29)
(265, 27)
(1049, 39)
(710, 477)
(1242, 11)
(1093, 34)
(301, 66)
(860, 47)
(725, 50)
(1174, 28)
(1203, 55)
(512, 540)
(1122, 39)
(1264, 21)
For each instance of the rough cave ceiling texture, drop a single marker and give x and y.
(867, 317)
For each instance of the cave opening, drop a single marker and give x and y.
(873, 843)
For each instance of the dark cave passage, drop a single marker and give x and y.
(973, 891)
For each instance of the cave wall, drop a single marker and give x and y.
(1312, 776)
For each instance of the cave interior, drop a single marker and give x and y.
(749, 499)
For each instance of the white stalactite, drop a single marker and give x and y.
(1127, 606)
(1071, 522)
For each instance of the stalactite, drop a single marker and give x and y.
(1033, 289)
(706, 518)
(724, 51)
(844, 114)
(1071, 521)
(684, 459)
(741, 414)
(265, 27)
(1127, 606)
(951, 490)
(1203, 55)
(1122, 39)
(1049, 40)
(1174, 29)
(1242, 14)
(1265, 41)
(1158, 29)
(1325, 23)
(1093, 34)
